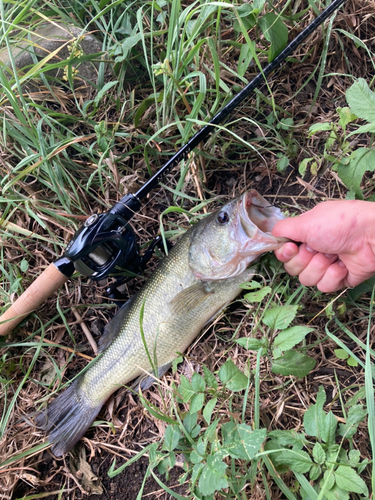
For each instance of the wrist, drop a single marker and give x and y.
(368, 221)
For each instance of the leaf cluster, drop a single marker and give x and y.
(333, 471)
(280, 339)
(352, 163)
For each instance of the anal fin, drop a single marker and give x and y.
(145, 381)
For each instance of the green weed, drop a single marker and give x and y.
(351, 163)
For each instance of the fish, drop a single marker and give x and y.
(190, 286)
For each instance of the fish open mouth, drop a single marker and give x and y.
(257, 218)
(256, 210)
(239, 233)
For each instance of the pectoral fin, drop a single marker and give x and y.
(191, 297)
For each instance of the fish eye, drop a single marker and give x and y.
(223, 217)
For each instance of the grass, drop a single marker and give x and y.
(70, 148)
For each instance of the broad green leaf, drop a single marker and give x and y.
(293, 363)
(352, 169)
(190, 421)
(197, 383)
(208, 409)
(346, 116)
(241, 441)
(328, 480)
(274, 31)
(318, 127)
(369, 128)
(259, 295)
(213, 476)
(258, 4)
(296, 460)
(359, 290)
(313, 419)
(349, 480)
(282, 163)
(315, 472)
(288, 438)
(171, 437)
(303, 166)
(361, 100)
(209, 378)
(196, 403)
(292, 336)
(285, 124)
(250, 441)
(232, 376)
(328, 431)
(245, 58)
(319, 454)
(341, 353)
(128, 44)
(168, 463)
(210, 433)
(336, 493)
(352, 362)
(355, 415)
(245, 9)
(252, 344)
(24, 266)
(250, 285)
(197, 469)
(354, 457)
(198, 453)
(195, 458)
(185, 389)
(279, 317)
(176, 362)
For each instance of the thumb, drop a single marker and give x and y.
(294, 228)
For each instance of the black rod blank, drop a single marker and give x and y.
(130, 204)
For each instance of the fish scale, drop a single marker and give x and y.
(174, 331)
(202, 273)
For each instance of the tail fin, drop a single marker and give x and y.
(67, 418)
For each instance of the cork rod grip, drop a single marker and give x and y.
(43, 287)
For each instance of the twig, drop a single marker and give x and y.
(69, 349)
(332, 301)
(86, 331)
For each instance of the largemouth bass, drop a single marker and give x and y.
(201, 274)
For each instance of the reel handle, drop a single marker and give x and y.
(43, 287)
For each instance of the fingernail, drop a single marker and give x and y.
(330, 255)
(309, 249)
(289, 252)
(341, 264)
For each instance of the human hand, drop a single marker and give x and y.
(338, 244)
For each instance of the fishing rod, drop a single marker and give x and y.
(106, 242)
